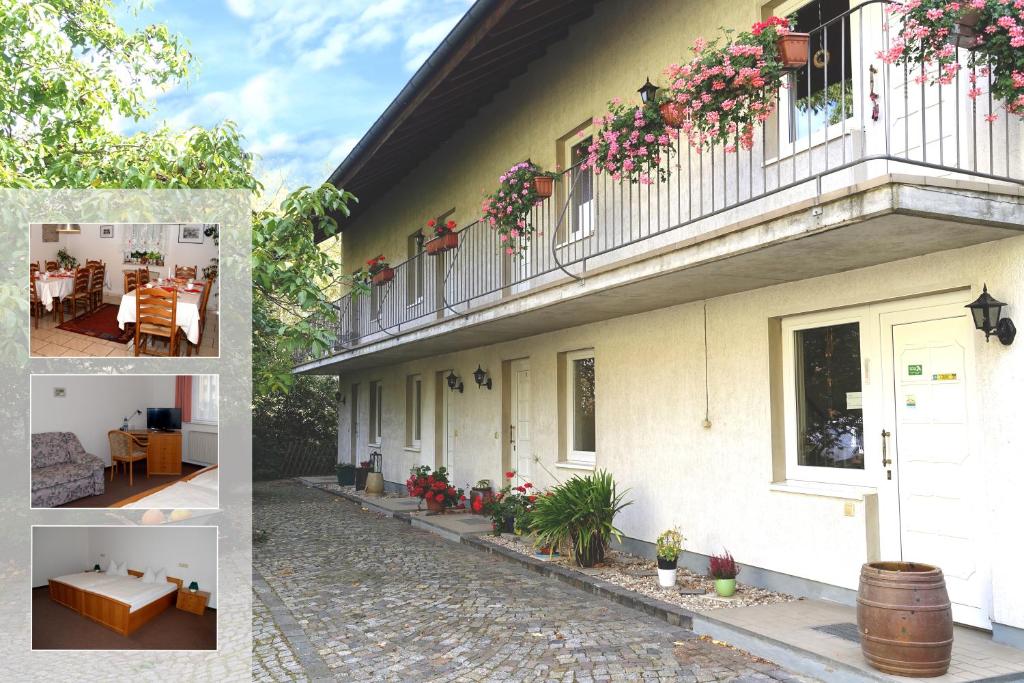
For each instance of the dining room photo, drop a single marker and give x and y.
(124, 289)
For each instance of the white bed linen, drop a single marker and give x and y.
(126, 589)
(87, 580)
(198, 492)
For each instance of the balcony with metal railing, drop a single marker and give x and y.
(847, 121)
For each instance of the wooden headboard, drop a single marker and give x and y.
(137, 574)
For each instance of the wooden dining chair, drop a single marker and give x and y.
(89, 263)
(36, 307)
(98, 275)
(33, 267)
(156, 315)
(126, 449)
(186, 272)
(51, 266)
(144, 276)
(79, 295)
(131, 280)
(204, 301)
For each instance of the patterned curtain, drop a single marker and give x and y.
(144, 237)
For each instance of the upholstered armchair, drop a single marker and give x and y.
(62, 471)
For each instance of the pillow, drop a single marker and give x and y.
(122, 569)
(148, 576)
(161, 576)
(112, 569)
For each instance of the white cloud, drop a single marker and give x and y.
(420, 44)
(383, 10)
(330, 51)
(241, 8)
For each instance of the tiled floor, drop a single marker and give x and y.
(975, 656)
(48, 341)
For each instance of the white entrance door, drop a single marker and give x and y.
(447, 429)
(522, 454)
(937, 478)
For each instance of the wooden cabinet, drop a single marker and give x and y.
(163, 451)
(192, 602)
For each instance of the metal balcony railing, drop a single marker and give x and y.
(845, 117)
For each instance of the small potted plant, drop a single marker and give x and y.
(444, 237)
(508, 505)
(480, 495)
(723, 569)
(380, 272)
(669, 546)
(66, 260)
(346, 474)
(433, 487)
(360, 474)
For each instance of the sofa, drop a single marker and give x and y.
(62, 471)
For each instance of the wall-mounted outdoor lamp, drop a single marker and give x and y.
(454, 383)
(986, 310)
(376, 462)
(480, 375)
(339, 397)
(648, 92)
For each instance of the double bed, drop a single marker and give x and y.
(196, 491)
(121, 603)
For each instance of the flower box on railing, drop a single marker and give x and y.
(544, 184)
(792, 49)
(383, 276)
(441, 244)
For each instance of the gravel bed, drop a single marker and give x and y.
(692, 591)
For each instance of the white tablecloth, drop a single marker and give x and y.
(187, 315)
(51, 287)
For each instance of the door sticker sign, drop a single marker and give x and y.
(944, 376)
(911, 401)
(915, 370)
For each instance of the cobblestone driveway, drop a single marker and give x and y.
(352, 596)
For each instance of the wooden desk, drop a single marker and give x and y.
(192, 602)
(163, 451)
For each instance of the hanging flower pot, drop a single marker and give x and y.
(965, 33)
(673, 114)
(441, 244)
(544, 185)
(792, 49)
(383, 276)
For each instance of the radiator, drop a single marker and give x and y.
(202, 447)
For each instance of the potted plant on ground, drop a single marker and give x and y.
(444, 237)
(360, 474)
(631, 143)
(993, 30)
(380, 272)
(509, 504)
(346, 474)
(582, 512)
(508, 209)
(480, 495)
(669, 546)
(433, 487)
(723, 569)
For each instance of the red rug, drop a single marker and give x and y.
(101, 324)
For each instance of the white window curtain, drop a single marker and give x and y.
(204, 399)
(144, 237)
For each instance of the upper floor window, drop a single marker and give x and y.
(414, 268)
(582, 218)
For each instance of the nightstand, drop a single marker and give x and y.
(192, 602)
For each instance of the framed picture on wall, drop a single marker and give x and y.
(190, 234)
(107, 232)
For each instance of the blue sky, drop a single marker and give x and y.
(304, 79)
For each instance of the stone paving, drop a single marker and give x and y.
(367, 598)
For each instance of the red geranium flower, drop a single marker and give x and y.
(510, 474)
(478, 505)
(431, 223)
(528, 485)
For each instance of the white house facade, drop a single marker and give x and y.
(770, 349)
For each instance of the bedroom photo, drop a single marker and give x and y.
(90, 283)
(124, 588)
(125, 441)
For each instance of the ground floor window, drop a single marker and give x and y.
(580, 410)
(413, 410)
(376, 408)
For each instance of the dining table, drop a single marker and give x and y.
(50, 286)
(187, 312)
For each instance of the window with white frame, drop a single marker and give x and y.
(376, 410)
(413, 411)
(204, 399)
(415, 268)
(823, 393)
(580, 409)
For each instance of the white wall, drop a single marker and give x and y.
(57, 551)
(160, 547)
(95, 404)
(89, 245)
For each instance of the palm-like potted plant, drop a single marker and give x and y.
(669, 546)
(582, 512)
(444, 238)
(723, 569)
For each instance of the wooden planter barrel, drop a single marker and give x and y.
(905, 618)
(383, 276)
(445, 242)
(544, 184)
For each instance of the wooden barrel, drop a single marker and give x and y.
(905, 618)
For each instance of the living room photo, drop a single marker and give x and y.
(124, 588)
(125, 441)
(124, 289)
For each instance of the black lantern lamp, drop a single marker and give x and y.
(986, 310)
(375, 462)
(648, 92)
(480, 375)
(454, 383)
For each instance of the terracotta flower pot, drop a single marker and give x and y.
(483, 495)
(965, 32)
(444, 243)
(792, 49)
(434, 506)
(383, 276)
(544, 184)
(673, 114)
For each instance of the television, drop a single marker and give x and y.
(163, 419)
